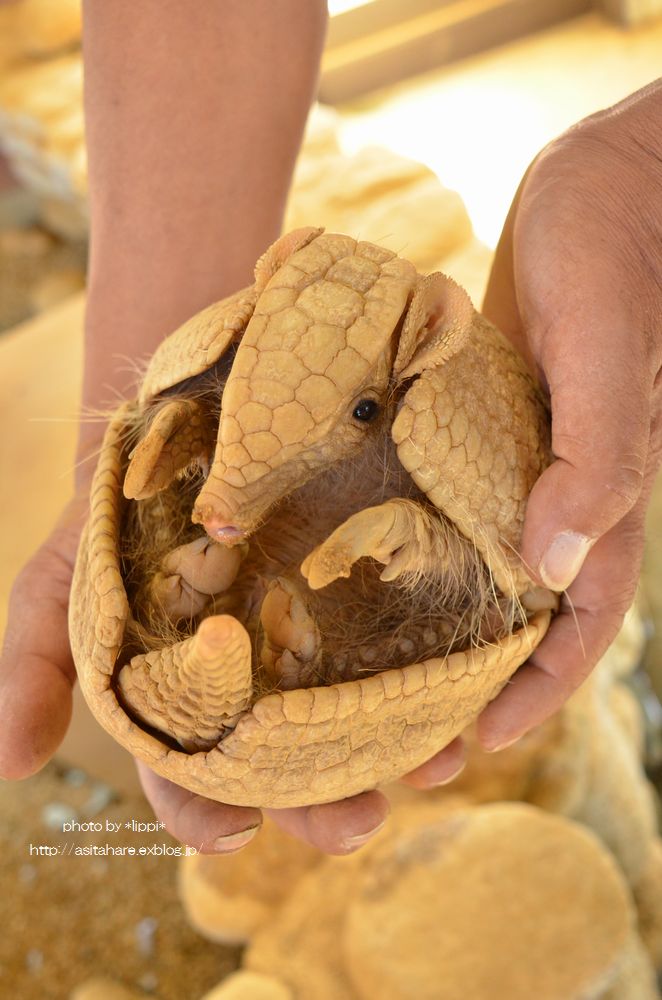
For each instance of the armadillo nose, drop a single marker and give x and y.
(217, 524)
(223, 532)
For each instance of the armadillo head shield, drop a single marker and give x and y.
(322, 340)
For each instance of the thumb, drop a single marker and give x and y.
(600, 391)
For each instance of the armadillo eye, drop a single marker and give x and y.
(366, 410)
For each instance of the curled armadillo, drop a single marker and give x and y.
(311, 582)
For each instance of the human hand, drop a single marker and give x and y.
(36, 667)
(577, 285)
(150, 269)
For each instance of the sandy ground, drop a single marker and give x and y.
(67, 917)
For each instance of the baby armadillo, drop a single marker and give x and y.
(325, 479)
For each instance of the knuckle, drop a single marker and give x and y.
(614, 479)
(48, 564)
(180, 815)
(626, 483)
(615, 607)
(607, 615)
(610, 619)
(23, 584)
(569, 682)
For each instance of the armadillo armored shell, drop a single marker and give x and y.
(332, 332)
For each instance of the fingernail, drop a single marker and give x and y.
(351, 843)
(504, 745)
(452, 777)
(234, 841)
(563, 560)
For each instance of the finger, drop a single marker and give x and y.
(585, 338)
(210, 827)
(590, 615)
(36, 711)
(441, 769)
(36, 668)
(601, 413)
(336, 827)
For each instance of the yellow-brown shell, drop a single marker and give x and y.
(198, 344)
(291, 747)
(313, 745)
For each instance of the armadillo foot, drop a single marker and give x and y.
(191, 574)
(291, 651)
(204, 566)
(175, 598)
(395, 534)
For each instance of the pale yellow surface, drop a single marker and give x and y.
(480, 869)
(40, 364)
(478, 124)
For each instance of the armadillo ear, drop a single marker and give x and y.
(436, 326)
(174, 439)
(274, 258)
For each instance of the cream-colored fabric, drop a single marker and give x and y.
(102, 988)
(250, 986)
(229, 898)
(391, 199)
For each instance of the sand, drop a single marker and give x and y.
(69, 917)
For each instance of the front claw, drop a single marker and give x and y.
(291, 651)
(385, 533)
(173, 596)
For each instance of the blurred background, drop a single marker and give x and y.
(429, 113)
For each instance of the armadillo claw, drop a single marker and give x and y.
(173, 596)
(539, 599)
(292, 647)
(378, 532)
(190, 574)
(196, 689)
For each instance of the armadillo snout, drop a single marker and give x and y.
(217, 526)
(220, 531)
